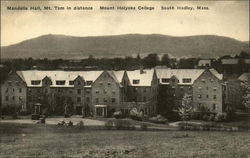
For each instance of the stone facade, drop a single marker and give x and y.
(208, 93)
(106, 90)
(14, 92)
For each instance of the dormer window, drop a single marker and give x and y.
(165, 80)
(136, 81)
(71, 82)
(35, 82)
(89, 82)
(60, 82)
(186, 80)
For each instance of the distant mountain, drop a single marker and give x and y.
(70, 47)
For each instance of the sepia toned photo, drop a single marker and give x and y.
(124, 79)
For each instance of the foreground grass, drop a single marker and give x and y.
(19, 140)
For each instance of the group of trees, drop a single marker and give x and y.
(118, 63)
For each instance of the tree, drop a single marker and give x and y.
(165, 60)
(151, 61)
(246, 94)
(186, 107)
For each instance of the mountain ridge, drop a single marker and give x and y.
(74, 47)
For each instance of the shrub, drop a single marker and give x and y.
(158, 119)
(118, 115)
(211, 117)
(136, 117)
(81, 124)
(144, 126)
(8, 110)
(206, 117)
(220, 117)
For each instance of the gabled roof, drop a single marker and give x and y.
(144, 78)
(181, 74)
(117, 75)
(244, 77)
(66, 76)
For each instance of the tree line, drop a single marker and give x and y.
(118, 63)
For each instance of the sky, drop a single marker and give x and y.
(224, 18)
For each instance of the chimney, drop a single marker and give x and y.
(141, 70)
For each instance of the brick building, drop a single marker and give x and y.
(14, 92)
(208, 92)
(206, 86)
(85, 90)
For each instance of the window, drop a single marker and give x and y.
(186, 80)
(136, 81)
(78, 91)
(145, 90)
(144, 99)
(46, 90)
(13, 89)
(113, 100)
(20, 98)
(165, 80)
(6, 98)
(46, 82)
(7, 90)
(113, 92)
(104, 91)
(203, 80)
(59, 90)
(214, 106)
(70, 91)
(207, 88)
(199, 96)
(78, 83)
(215, 96)
(60, 82)
(35, 82)
(89, 82)
(100, 83)
(105, 100)
(29, 89)
(87, 91)
(87, 99)
(78, 99)
(207, 96)
(109, 83)
(71, 82)
(181, 88)
(215, 88)
(199, 106)
(97, 100)
(173, 80)
(96, 92)
(13, 98)
(189, 88)
(135, 89)
(20, 90)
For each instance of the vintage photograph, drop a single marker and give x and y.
(125, 79)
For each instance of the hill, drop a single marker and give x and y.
(71, 47)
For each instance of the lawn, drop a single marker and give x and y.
(37, 140)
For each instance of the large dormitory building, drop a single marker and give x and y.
(103, 92)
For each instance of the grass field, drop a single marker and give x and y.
(37, 140)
